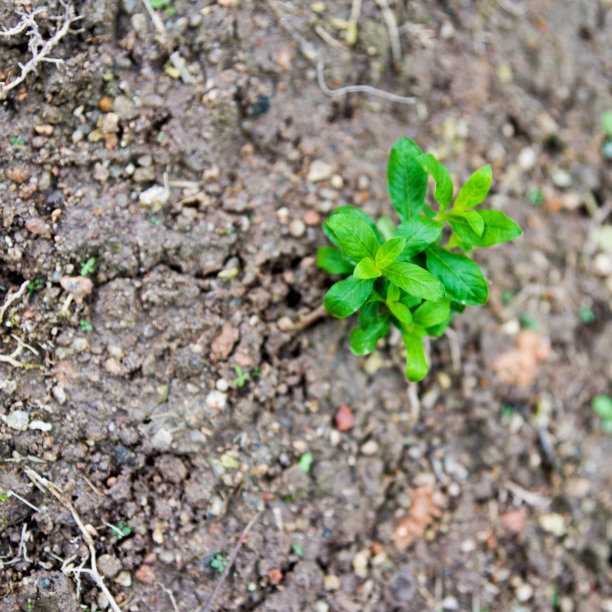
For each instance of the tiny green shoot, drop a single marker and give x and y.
(535, 196)
(17, 141)
(155, 221)
(34, 285)
(297, 549)
(586, 315)
(88, 267)
(121, 530)
(406, 276)
(3, 497)
(164, 4)
(507, 297)
(528, 321)
(305, 462)
(219, 562)
(256, 371)
(602, 406)
(241, 376)
(86, 326)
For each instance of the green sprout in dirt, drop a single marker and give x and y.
(35, 284)
(602, 405)
(219, 562)
(86, 326)
(164, 4)
(241, 376)
(88, 267)
(121, 530)
(404, 276)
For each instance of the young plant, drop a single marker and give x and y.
(405, 276)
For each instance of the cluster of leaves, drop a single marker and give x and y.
(404, 276)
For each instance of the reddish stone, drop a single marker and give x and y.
(275, 576)
(145, 574)
(344, 418)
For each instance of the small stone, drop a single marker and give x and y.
(162, 439)
(331, 582)
(297, 228)
(157, 534)
(18, 419)
(17, 174)
(285, 324)
(40, 426)
(468, 545)
(110, 123)
(124, 579)
(161, 393)
(223, 344)
(360, 563)
(115, 351)
(524, 592)
(229, 462)
(112, 366)
(602, 264)
(216, 400)
(37, 226)
(553, 523)
(105, 104)
(527, 158)
(319, 171)
(561, 179)
(282, 214)
(222, 385)
(571, 200)
(450, 603)
(155, 197)
(78, 286)
(373, 363)
(59, 394)
(321, 606)
(44, 130)
(275, 576)
(369, 448)
(444, 380)
(336, 181)
(145, 574)
(109, 565)
(311, 218)
(344, 418)
(229, 273)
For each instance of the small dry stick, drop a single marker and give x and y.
(230, 563)
(48, 486)
(391, 22)
(318, 313)
(40, 51)
(170, 595)
(158, 23)
(13, 297)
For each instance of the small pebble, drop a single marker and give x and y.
(155, 197)
(331, 582)
(216, 400)
(105, 104)
(222, 385)
(18, 419)
(157, 535)
(311, 218)
(282, 214)
(124, 579)
(370, 447)
(40, 426)
(145, 574)
(360, 563)
(44, 130)
(319, 171)
(344, 418)
(527, 158)
(524, 592)
(37, 226)
(78, 286)
(321, 606)
(162, 439)
(59, 394)
(109, 565)
(297, 228)
(336, 181)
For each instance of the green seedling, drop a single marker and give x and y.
(35, 284)
(528, 321)
(305, 462)
(298, 549)
(86, 326)
(241, 376)
(18, 142)
(586, 315)
(602, 405)
(88, 267)
(219, 562)
(164, 4)
(121, 530)
(405, 276)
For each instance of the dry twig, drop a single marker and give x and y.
(230, 563)
(49, 487)
(37, 46)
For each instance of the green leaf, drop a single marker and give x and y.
(363, 339)
(415, 281)
(400, 312)
(369, 314)
(389, 251)
(393, 293)
(406, 179)
(366, 268)
(498, 228)
(333, 261)
(461, 277)
(347, 296)
(602, 405)
(475, 220)
(410, 300)
(429, 314)
(444, 184)
(475, 189)
(606, 122)
(385, 227)
(355, 236)
(305, 461)
(355, 212)
(416, 366)
(419, 232)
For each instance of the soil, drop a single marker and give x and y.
(485, 487)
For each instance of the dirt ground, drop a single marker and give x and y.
(162, 192)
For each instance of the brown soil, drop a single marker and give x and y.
(486, 487)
